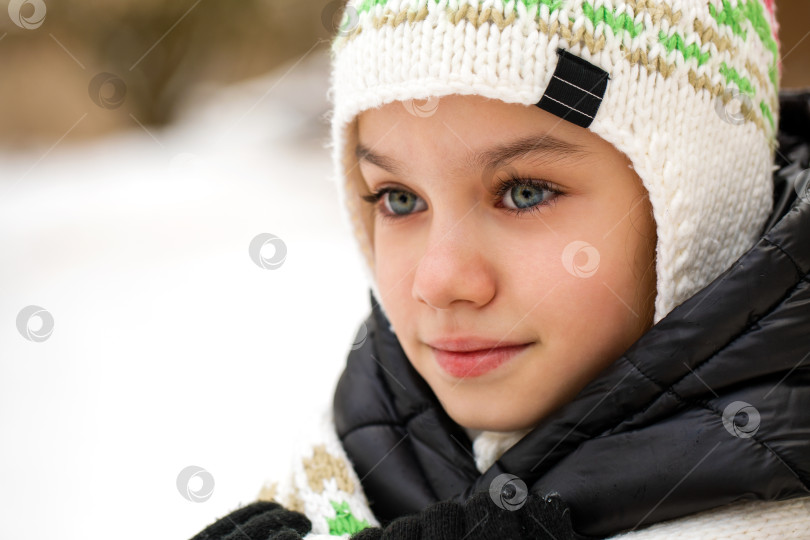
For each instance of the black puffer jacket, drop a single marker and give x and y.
(710, 406)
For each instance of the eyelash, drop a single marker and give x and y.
(503, 186)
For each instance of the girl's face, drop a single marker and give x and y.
(500, 224)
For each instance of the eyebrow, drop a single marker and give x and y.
(545, 147)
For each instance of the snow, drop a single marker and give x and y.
(171, 348)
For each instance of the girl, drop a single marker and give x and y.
(589, 290)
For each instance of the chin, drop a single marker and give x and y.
(473, 418)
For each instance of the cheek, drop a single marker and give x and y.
(581, 289)
(583, 327)
(560, 288)
(395, 260)
(608, 309)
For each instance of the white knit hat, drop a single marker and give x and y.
(691, 97)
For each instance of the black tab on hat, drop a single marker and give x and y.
(576, 89)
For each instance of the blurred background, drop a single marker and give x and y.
(144, 147)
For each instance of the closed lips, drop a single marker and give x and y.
(473, 345)
(464, 360)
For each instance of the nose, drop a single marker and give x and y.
(456, 266)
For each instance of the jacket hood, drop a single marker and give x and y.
(705, 409)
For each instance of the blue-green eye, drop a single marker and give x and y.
(400, 202)
(524, 195)
(516, 195)
(396, 203)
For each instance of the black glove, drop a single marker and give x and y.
(261, 520)
(479, 518)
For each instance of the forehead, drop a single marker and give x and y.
(471, 129)
(468, 132)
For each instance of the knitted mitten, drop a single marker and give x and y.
(261, 520)
(480, 518)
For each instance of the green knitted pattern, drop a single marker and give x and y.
(747, 15)
(344, 521)
(753, 12)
